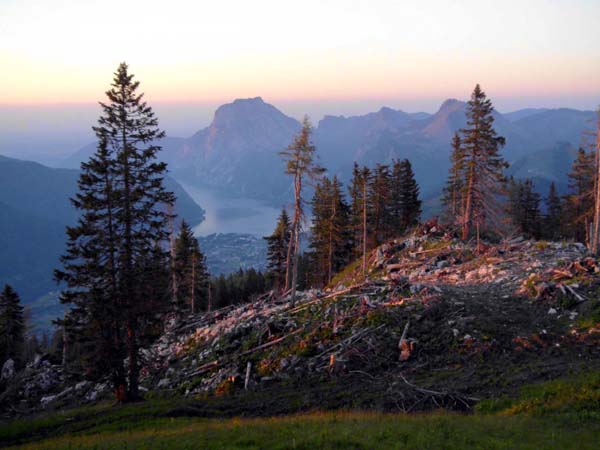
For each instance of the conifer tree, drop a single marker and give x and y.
(123, 218)
(483, 165)
(191, 272)
(452, 193)
(524, 207)
(12, 327)
(330, 231)
(378, 198)
(409, 196)
(553, 217)
(277, 245)
(300, 163)
(404, 203)
(595, 238)
(359, 211)
(319, 231)
(579, 202)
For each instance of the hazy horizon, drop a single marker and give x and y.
(327, 57)
(44, 131)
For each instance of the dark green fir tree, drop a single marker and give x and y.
(452, 200)
(122, 204)
(191, 272)
(578, 204)
(553, 218)
(277, 246)
(12, 327)
(410, 204)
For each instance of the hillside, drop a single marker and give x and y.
(34, 211)
(434, 325)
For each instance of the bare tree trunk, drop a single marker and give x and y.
(193, 288)
(330, 256)
(172, 255)
(296, 244)
(596, 227)
(209, 306)
(65, 349)
(364, 263)
(467, 212)
(295, 268)
(295, 226)
(288, 259)
(133, 391)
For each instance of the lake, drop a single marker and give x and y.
(225, 214)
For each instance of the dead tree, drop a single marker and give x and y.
(596, 223)
(300, 163)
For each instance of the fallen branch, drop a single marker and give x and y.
(271, 343)
(350, 339)
(205, 368)
(579, 298)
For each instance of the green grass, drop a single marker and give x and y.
(357, 430)
(575, 398)
(559, 414)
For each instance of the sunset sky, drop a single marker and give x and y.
(64, 51)
(344, 56)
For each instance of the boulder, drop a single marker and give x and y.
(8, 370)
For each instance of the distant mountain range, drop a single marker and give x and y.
(34, 210)
(238, 152)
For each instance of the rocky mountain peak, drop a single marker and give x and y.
(245, 111)
(451, 105)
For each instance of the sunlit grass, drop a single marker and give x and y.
(559, 414)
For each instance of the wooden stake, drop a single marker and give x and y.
(403, 345)
(247, 378)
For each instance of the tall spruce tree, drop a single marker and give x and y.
(484, 180)
(452, 200)
(404, 203)
(319, 231)
(191, 272)
(122, 203)
(579, 202)
(360, 211)
(378, 198)
(409, 196)
(524, 207)
(595, 238)
(330, 231)
(300, 159)
(277, 245)
(553, 218)
(12, 327)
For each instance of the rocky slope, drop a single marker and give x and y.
(436, 323)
